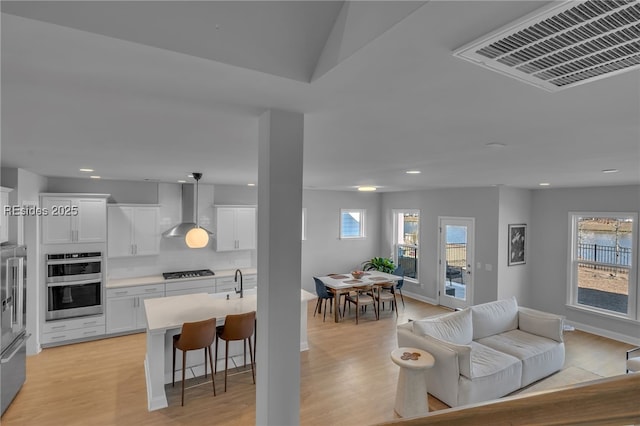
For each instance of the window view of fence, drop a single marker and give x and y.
(407, 237)
(603, 257)
(408, 259)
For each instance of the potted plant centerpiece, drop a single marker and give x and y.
(383, 264)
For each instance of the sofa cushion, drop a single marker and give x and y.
(541, 323)
(494, 317)
(455, 327)
(495, 374)
(540, 356)
(487, 361)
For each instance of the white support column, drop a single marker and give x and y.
(280, 148)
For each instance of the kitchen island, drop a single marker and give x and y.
(165, 317)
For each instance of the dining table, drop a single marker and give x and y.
(340, 284)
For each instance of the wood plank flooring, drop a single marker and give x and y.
(347, 378)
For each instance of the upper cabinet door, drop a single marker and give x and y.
(246, 228)
(146, 238)
(91, 220)
(57, 228)
(119, 225)
(225, 229)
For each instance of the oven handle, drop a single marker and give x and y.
(68, 283)
(76, 260)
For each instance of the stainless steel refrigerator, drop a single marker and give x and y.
(13, 317)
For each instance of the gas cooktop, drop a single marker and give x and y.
(188, 274)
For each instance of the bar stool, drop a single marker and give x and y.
(195, 335)
(236, 327)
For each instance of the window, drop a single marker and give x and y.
(602, 271)
(406, 237)
(351, 223)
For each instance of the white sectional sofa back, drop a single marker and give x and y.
(486, 351)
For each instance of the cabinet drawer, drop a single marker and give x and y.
(81, 333)
(72, 324)
(134, 290)
(226, 284)
(210, 289)
(205, 286)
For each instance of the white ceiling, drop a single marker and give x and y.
(155, 90)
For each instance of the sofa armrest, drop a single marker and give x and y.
(541, 323)
(442, 379)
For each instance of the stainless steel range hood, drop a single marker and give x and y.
(188, 214)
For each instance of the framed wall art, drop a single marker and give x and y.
(517, 244)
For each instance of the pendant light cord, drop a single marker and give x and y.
(197, 177)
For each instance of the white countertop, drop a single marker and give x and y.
(159, 279)
(171, 312)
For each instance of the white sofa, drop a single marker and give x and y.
(486, 351)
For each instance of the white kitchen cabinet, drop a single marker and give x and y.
(249, 281)
(4, 217)
(70, 219)
(177, 288)
(60, 331)
(226, 284)
(132, 230)
(125, 307)
(235, 228)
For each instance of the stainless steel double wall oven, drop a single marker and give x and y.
(74, 285)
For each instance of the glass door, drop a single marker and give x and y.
(456, 260)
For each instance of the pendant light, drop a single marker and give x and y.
(197, 237)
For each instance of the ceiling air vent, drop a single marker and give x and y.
(563, 45)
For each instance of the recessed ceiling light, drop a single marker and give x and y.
(94, 177)
(413, 172)
(182, 181)
(610, 171)
(367, 188)
(544, 184)
(495, 145)
(86, 170)
(251, 184)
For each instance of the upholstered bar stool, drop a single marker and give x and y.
(633, 360)
(194, 335)
(236, 327)
(411, 394)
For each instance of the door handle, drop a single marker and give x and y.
(18, 347)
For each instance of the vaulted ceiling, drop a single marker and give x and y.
(155, 90)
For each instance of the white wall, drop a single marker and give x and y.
(323, 252)
(479, 203)
(549, 248)
(514, 208)
(122, 191)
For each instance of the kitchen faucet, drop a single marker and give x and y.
(238, 271)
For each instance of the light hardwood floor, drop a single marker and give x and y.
(347, 378)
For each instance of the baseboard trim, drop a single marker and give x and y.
(605, 333)
(420, 297)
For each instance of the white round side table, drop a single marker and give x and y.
(411, 394)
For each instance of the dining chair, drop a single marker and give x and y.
(399, 271)
(385, 293)
(362, 296)
(236, 327)
(195, 335)
(323, 295)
